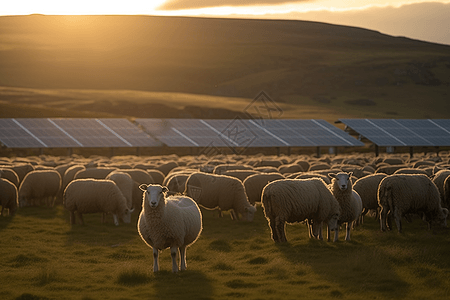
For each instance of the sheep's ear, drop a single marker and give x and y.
(350, 174)
(164, 189)
(143, 187)
(332, 175)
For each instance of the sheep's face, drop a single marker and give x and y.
(342, 180)
(333, 222)
(126, 216)
(154, 194)
(249, 213)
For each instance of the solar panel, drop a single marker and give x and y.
(46, 131)
(247, 133)
(14, 135)
(91, 133)
(130, 133)
(307, 133)
(402, 132)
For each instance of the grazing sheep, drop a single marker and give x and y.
(255, 184)
(8, 197)
(94, 173)
(402, 194)
(125, 183)
(213, 191)
(367, 188)
(22, 170)
(410, 171)
(297, 200)
(85, 196)
(176, 182)
(39, 187)
(219, 169)
(439, 180)
(349, 201)
(157, 175)
(174, 222)
(9, 174)
(240, 174)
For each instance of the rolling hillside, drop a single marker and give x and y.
(125, 65)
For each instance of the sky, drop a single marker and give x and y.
(427, 20)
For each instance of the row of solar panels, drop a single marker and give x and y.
(234, 133)
(402, 132)
(71, 133)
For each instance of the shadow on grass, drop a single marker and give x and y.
(189, 284)
(353, 266)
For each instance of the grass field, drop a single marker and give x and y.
(43, 257)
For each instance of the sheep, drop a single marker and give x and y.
(402, 194)
(84, 196)
(439, 180)
(8, 196)
(176, 182)
(22, 170)
(125, 184)
(9, 174)
(349, 201)
(367, 188)
(38, 187)
(94, 173)
(220, 191)
(296, 200)
(239, 174)
(254, 185)
(173, 222)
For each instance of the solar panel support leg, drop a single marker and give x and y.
(289, 151)
(278, 151)
(69, 151)
(318, 151)
(411, 152)
(377, 151)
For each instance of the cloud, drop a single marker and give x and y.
(189, 4)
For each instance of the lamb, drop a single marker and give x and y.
(213, 191)
(367, 188)
(84, 196)
(349, 201)
(39, 186)
(402, 194)
(8, 197)
(255, 184)
(297, 200)
(173, 222)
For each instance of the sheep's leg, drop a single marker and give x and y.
(328, 233)
(72, 218)
(173, 253)
(183, 258)
(155, 260)
(280, 224)
(234, 215)
(398, 219)
(336, 234)
(310, 228)
(347, 234)
(116, 219)
(80, 216)
(383, 216)
(274, 230)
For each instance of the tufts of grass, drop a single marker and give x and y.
(220, 245)
(133, 277)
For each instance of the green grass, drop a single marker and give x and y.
(43, 257)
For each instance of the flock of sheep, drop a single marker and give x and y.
(167, 191)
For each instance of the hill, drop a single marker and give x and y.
(200, 67)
